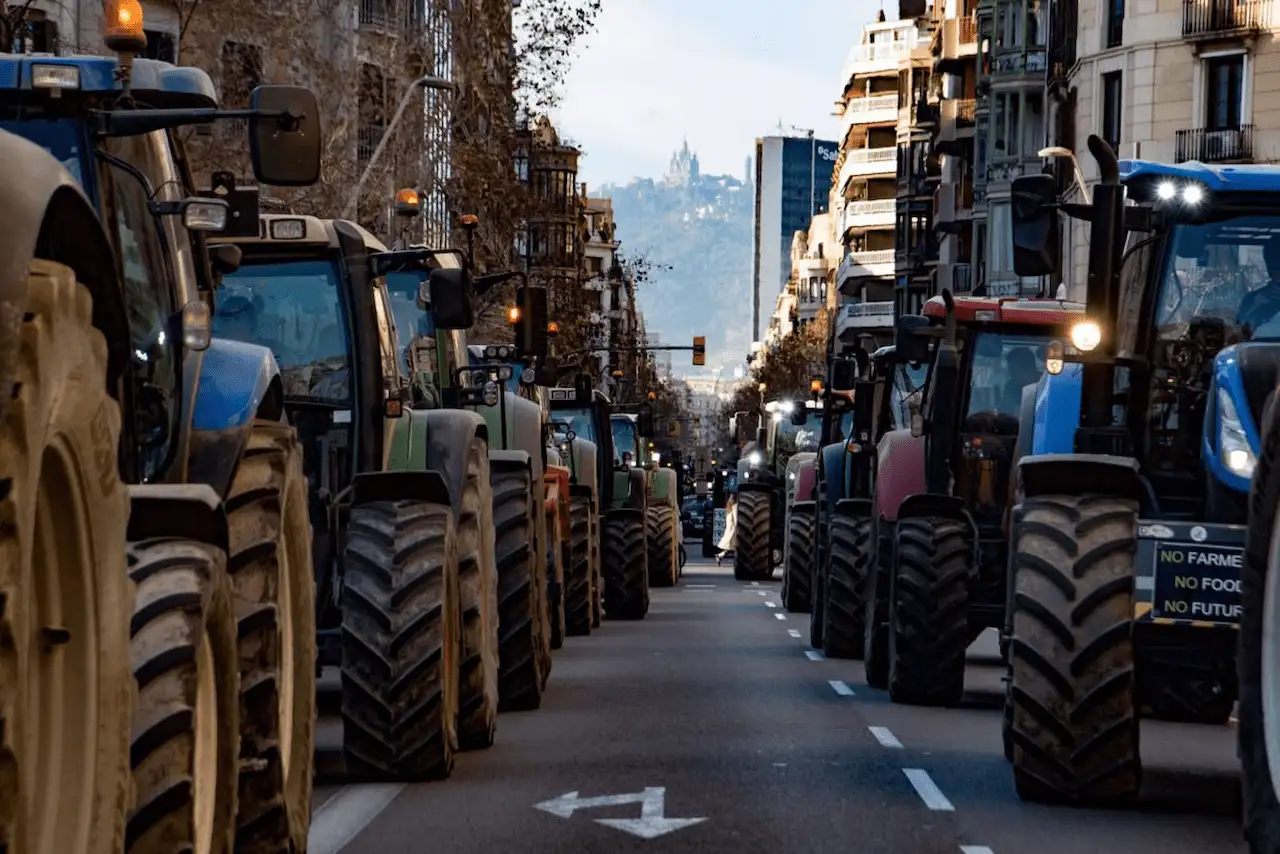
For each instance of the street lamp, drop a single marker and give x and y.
(1062, 151)
(426, 81)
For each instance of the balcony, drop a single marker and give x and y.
(394, 16)
(881, 56)
(1215, 17)
(966, 112)
(1221, 145)
(875, 109)
(871, 214)
(866, 162)
(876, 264)
(865, 315)
(959, 38)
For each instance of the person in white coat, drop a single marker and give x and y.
(730, 528)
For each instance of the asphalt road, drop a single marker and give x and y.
(713, 709)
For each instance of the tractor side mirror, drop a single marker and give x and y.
(582, 387)
(1034, 218)
(644, 423)
(799, 417)
(450, 296)
(284, 145)
(909, 344)
(844, 374)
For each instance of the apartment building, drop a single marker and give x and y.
(1169, 80)
(813, 257)
(958, 230)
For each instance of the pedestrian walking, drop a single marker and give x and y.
(730, 528)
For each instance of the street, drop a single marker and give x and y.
(730, 735)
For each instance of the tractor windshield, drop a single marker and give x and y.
(798, 438)
(296, 309)
(908, 388)
(63, 138)
(1003, 365)
(579, 421)
(624, 440)
(1227, 270)
(412, 322)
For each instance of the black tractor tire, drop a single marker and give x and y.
(753, 547)
(597, 571)
(797, 574)
(660, 542)
(401, 641)
(63, 518)
(1261, 808)
(478, 585)
(625, 559)
(187, 720)
(851, 554)
(1075, 711)
(578, 582)
(521, 628)
(929, 612)
(273, 584)
(557, 570)
(875, 596)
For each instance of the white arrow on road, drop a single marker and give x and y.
(650, 825)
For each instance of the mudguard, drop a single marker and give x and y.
(854, 508)
(524, 429)
(637, 490)
(191, 511)
(923, 504)
(1058, 410)
(899, 471)
(584, 455)
(806, 475)
(399, 485)
(1226, 376)
(50, 217)
(836, 474)
(1078, 474)
(662, 487)
(436, 440)
(513, 458)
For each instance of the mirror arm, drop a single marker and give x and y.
(137, 122)
(1076, 210)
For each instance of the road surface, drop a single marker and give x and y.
(713, 710)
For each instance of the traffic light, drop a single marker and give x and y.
(531, 321)
(699, 350)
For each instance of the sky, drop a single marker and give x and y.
(718, 73)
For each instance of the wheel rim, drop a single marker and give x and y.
(207, 748)
(284, 611)
(1270, 655)
(61, 710)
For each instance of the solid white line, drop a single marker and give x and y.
(780, 616)
(884, 736)
(840, 688)
(975, 849)
(813, 655)
(771, 604)
(928, 790)
(795, 633)
(343, 816)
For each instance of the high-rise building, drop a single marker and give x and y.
(792, 183)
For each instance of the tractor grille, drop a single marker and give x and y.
(1259, 372)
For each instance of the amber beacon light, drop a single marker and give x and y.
(124, 32)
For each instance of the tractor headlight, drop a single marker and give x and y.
(1086, 335)
(1233, 444)
(490, 393)
(55, 77)
(754, 458)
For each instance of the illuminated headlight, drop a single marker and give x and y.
(754, 458)
(711, 484)
(791, 475)
(1192, 194)
(55, 77)
(1166, 191)
(787, 407)
(288, 229)
(490, 394)
(1233, 445)
(1086, 335)
(657, 458)
(777, 416)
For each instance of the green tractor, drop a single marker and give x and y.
(400, 493)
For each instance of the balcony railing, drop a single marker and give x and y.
(1213, 145)
(1205, 17)
(392, 15)
(969, 29)
(367, 139)
(872, 104)
(875, 256)
(961, 278)
(865, 315)
(965, 112)
(874, 207)
(872, 155)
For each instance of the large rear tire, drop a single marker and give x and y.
(580, 586)
(1075, 713)
(557, 557)
(186, 730)
(663, 556)
(753, 547)
(849, 562)
(401, 641)
(521, 676)
(626, 577)
(797, 574)
(273, 583)
(597, 571)
(928, 612)
(875, 595)
(478, 585)
(64, 713)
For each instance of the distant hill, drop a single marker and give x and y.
(700, 226)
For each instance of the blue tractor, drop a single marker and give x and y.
(1136, 451)
(107, 277)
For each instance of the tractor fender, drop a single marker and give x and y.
(854, 508)
(225, 388)
(399, 485)
(899, 471)
(436, 440)
(524, 428)
(1058, 410)
(515, 458)
(50, 217)
(1022, 447)
(662, 487)
(922, 504)
(192, 511)
(637, 490)
(835, 474)
(806, 478)
(585, 456)
(1228, 377)
(1080, 474)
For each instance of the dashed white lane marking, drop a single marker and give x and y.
(975, 849)
(928, 790)
(795, 633)
(347, 813)
(755, 584)
(840, 688)
(813, 655)
(780, 616)
(771, 604)
(699, 587)
(885, 736)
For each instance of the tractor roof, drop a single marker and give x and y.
(294, 230)
(1040, 312)
(1215, 178)
(155, 83)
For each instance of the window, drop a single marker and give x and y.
(1010, 27)
(1112, 108)
(1001, 233)
(1006, 125)
(1224, 97)
(161, 45)
(1115, 23)
(372, 109)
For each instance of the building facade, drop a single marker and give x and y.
(792, 183)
